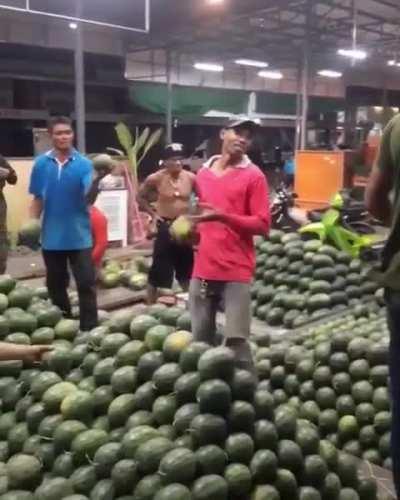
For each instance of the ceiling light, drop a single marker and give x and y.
(273, 75)
(73, 26)
(353, 53)
(215, 2)
(251, 62)
(395, 109)
(378, 109)
(329, 73)
(392, 62)
(217, 68)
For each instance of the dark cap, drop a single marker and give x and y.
(246, 123)
(173, 150)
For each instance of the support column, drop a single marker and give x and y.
(169, 117)
(304, 98)
(305, 77)
(80, 111)
(298, 110)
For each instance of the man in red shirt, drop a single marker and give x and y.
(234, 207)
(99, 234)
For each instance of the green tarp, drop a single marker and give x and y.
(188, 101)
(196, 102)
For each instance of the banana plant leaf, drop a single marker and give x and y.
(152, 141)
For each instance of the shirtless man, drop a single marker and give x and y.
(173, 188)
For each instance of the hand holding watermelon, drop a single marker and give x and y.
(29, 234)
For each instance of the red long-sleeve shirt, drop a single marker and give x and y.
(226, 249)
(99, 233)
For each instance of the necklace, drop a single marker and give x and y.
(175, 185)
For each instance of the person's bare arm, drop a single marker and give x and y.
(377, 200)
(15, 352)
(36, 208)
(148, 188)
(7, 172)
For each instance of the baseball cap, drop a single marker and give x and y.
(245, 122)
(173, 150)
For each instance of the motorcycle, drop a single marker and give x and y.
(283, 201)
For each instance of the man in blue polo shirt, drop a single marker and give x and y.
(63, 184)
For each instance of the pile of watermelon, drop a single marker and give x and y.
(335, 375)
(132, 274)
(136, 410)
(297, 281)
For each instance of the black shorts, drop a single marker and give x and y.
(169, 258)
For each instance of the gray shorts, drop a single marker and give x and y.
(205, 298)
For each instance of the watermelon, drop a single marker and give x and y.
(43, 335)
(148, 364)
(120, 409)
(104, 490)
(124, 475)
(175, 491)
(66, 432)
(171, 315)
(239, 448)
(239, 480)
(210, 487)
(184, 416)
(140, 326)
(111, 344)
(86, 444)
(186, 387)
(49, 316)
(124, 380)
(79, 405)
(265, 492)
(214, 396)
(54, 489)
(147, 488)
(55, 394)
(49, 425)
(175, 343)
(20, 296)
(155, 337)
(7, 284)
(178, 465)
(63, 466)
(165, 376)
(130, 353)
(66, 329)
(103, 371)
(120, 321)
(190, 356)
(136, 437)
(218, 362)
(149, 454)
(211, 459)
(23, 471)
(264, 466)
(208, 429)
(106, 457)
(138, 281)
(83, 479)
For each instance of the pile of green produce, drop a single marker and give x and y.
(335, 375)
(297, 281)
(135, 410)
(132, 274)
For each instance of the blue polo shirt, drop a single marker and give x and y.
(62, 188)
